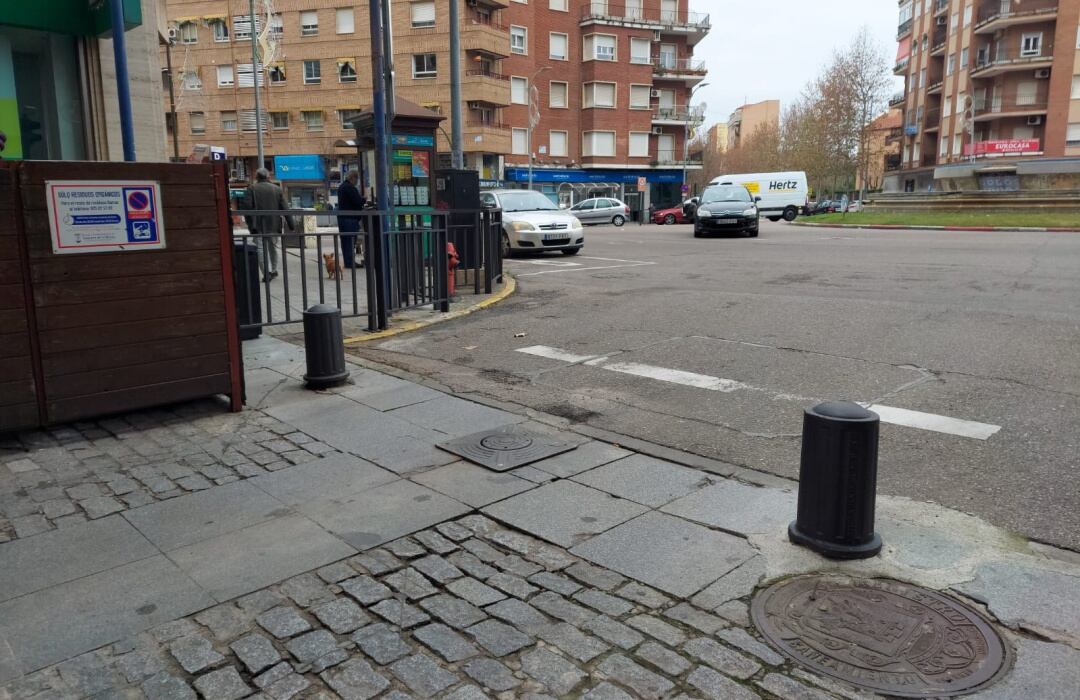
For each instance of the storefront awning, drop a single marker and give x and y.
(211, 18)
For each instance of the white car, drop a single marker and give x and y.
(533, 223)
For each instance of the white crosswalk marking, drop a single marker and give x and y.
(888, 414)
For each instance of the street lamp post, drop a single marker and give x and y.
(256, 73)
(686, 136)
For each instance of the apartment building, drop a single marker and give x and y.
(992, 94)
(746, 120)
(883, 146)
(612, 80)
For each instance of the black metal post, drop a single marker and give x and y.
(838, 482)
(324, 347)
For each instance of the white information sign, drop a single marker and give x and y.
(91, 217)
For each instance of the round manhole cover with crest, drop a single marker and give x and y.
(506, 442)
(882, 635)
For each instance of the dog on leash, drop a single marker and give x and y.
(333, 268)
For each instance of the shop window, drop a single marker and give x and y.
(309, 23)
(313, 121)
(519, 40)
(228, 121)
(347, 70)
(345, 21)
(423, 13)
(312, 72)
(198, 122)
(424, 65)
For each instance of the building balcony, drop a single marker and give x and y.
(894, 135)
(932, 119)
(485, 36)
(892, 163)
(689, 69)
(940, 7)
(904, 29)
(901, 66)
(678, 116)
(989, 64)
(692, 25)
(494, 137)
(897, 99)
(665, 158)
(996, 15)
(496, 4)
(935, 87)
(1001, 108)
(939, 42)
(483, 86)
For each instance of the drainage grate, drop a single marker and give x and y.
(506, 448)
(882, 635)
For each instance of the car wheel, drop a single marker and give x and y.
(697, 234)
(754, 233)
(571, 251)
(506, 250)
(773, 218)
(669, 219)
(618, 220)
(790, 213)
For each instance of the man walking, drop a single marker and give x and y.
(349, 199)
(263, 195)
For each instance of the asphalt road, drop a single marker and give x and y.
(982, 327)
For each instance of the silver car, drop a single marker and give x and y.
(533, 223)
(601, 210)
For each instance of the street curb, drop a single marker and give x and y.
(904, 227)
(509, 287)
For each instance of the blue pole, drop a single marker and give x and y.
(382, 163)
(123, 89)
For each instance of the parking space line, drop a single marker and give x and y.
(888, 414)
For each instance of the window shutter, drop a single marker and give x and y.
(639, 145)
(247, 120)
(605, 94)
(245, 78)
(557, 143)
(558, 95)
(345, 21)
(558, 46)
(423, 14)
(520, 142)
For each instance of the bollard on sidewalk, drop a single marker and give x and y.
(838, 482)
(324, 346)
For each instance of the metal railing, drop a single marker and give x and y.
(897, 99)
(940, 5)
(680, 114)
(636, 12)
(1002, 56)
(485, 20)
(479, 123)
(1006, 9)
(670, 64)
(904, 29)
(484, 73)
(280, 274)
(674, 157)
(1001, 105)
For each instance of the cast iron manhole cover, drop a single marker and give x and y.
(506, 448)
(883, 635)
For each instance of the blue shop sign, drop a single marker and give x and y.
(626, 177)
(411, 140)
(306, 167)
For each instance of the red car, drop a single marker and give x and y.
(672, 215)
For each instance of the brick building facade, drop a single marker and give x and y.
(992, 94)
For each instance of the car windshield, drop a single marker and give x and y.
(727, 193)
(526, 201)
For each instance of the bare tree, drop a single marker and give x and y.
(867, 67)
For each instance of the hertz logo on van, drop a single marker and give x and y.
(783, 186)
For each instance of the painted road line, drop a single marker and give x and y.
(619, 264)
(675, 376)
(936, 423)
(555, 354)
(888, 414)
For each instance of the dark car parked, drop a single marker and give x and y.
(727, 209)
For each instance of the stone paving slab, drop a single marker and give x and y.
(587, 456)
(53, 624)
(1045, 601)
(652, 546)
(564, 512)
(204, 515)
(472, 484)
(382, 514)
(400, 396)
(455, 417)
(738, 508)
(31, 564)
(645, 480)
(246, 560)
(337, 475)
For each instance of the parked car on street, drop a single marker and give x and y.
(727, 209)
(601, 210)
(783, 195)
(670, 215)
(820, 207)
(533, 223)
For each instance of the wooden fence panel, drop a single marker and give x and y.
(19, 401)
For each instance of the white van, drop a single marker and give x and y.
(783, 195)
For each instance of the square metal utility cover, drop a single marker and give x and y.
(506, 448)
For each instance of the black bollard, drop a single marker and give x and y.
(838, 482)
(324, 347)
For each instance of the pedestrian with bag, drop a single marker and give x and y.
(263, 195)
(350, 199)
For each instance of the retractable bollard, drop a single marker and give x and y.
(324, 346)
(838, 482)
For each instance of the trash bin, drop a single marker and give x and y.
(246, 282)
(324, 347)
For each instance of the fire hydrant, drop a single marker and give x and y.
(452, 260)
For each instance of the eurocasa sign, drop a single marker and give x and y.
(306, 167)
(1000, 148)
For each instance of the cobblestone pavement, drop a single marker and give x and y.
(67, 475)
(465, 610)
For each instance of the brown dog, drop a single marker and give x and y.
(333, 270)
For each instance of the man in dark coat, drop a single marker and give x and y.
(264, 195)
(349, 199)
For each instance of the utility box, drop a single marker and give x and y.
(459, 190)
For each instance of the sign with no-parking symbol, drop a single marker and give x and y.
(94, 217)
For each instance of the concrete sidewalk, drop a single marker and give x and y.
(319, 544)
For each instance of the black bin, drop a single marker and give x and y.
(246, 283)
(838, 482)
(324, 347)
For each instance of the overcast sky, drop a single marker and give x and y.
(770, 49)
